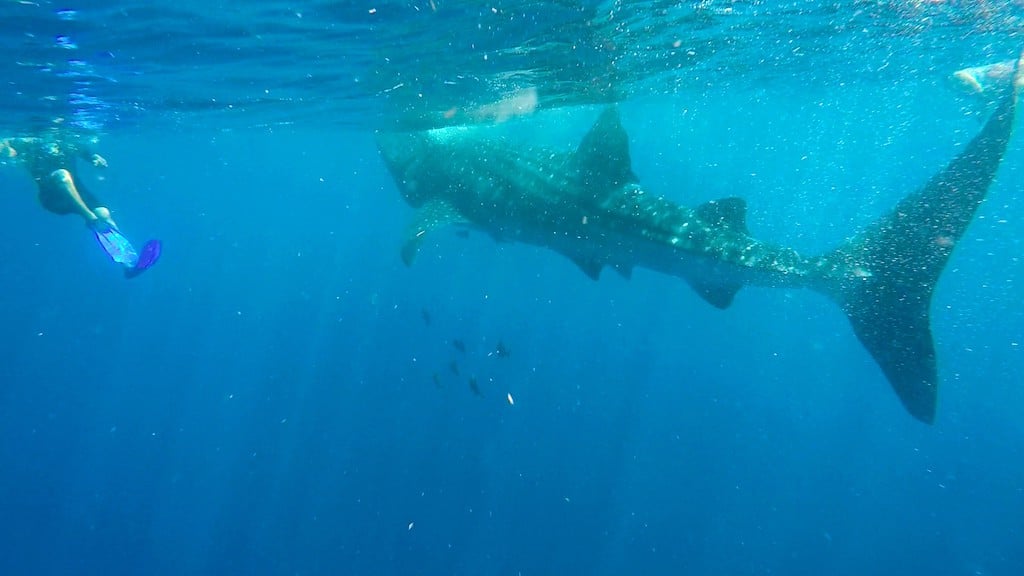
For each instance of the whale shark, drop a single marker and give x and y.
(589, 206)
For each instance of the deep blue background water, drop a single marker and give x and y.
(263, 402)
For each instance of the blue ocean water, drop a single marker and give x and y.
(279, 395)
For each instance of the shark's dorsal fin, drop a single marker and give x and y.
(432, 215)
(602, 159)
(729, 213)
(717, 294)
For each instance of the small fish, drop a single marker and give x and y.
(425, 314)
(459, 345)
(454, 367)
(473, 386)
(501, 351)
(437, 380)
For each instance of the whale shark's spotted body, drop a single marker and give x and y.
(589, 206)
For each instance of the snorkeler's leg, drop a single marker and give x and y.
(115, 244)
(66, 184)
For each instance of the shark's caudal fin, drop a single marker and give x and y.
(901, 256)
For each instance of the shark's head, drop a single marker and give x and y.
(400, 150)
(417, 160)
(408, 158)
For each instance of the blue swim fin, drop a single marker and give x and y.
(150, 254)
(115, 244)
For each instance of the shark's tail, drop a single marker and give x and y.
(885, 276)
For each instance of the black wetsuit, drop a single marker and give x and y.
(43, 158)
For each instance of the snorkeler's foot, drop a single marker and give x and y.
(103, 213)
(965, 78)
(1018, 76)
(99, 224)
(979, 80)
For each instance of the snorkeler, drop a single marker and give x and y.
(50, 161)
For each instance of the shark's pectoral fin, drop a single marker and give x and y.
(729, 213)
(590, 267)
(432, 215)
(718, 294)
(410, 248)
